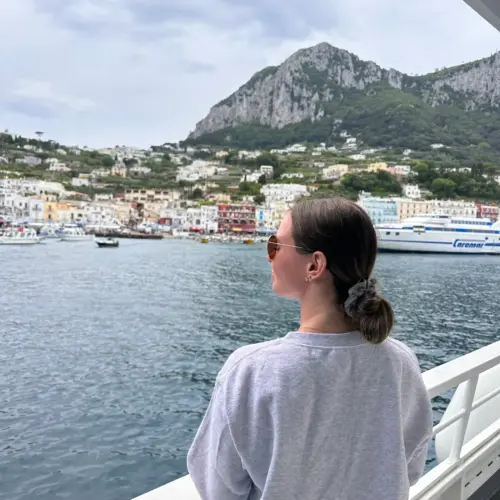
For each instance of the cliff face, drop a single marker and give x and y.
(312, 82)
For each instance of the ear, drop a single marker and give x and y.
(317, 265)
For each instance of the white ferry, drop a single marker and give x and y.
(437, 233)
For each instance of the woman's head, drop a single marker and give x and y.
(331, 244)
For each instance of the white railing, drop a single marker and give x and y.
(450, 479)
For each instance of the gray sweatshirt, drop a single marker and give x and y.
(314, 417)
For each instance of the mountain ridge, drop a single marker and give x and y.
(324, 84)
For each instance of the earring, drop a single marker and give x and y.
(308, 278)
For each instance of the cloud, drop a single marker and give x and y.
(40, 99)
(102, 72)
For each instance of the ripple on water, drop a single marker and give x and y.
(108, 359)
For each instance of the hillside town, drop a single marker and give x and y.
(174, 189)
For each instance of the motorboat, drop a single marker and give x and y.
(107, 243)
(19, 236)
(75, 233)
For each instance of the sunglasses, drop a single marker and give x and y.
(273, 245)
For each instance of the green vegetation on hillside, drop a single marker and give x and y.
(386, 118)
(381, 108)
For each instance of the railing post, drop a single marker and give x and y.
(468, 399)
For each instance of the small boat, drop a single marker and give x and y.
(19, 236)
(107, 243)
(204, 240)
(75, 233)
(248, 242)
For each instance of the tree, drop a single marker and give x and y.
(39, 134)
(443, 188)
(262, 179)
(130, 162)
(107, 161)
(259, 199)
(197, 194)
(268, 159)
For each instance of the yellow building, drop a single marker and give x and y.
(411, 208)
(119, 171)
(376, 167)
(60, 211)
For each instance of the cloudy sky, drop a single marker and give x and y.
(141, 72)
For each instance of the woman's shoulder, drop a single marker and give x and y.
(246, 357)
(404, 352)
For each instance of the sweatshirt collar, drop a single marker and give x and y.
(347, 339)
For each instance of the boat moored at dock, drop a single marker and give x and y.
(75, 233)
(437, 233)
(19, 236)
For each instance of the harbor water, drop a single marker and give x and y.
(108, 356)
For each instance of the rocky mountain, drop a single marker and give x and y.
(322, 90)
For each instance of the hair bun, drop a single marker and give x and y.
(362, 291)
(370, 311)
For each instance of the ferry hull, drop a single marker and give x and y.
(411, 242)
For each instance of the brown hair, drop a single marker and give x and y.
(344, 233)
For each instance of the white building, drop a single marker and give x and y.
(296, 148)
(267, 170)
(457, 208)
(357, 157)
(103, 197)
(334, 172)
(81, 180)
(412, 191)
(30, 160)
(204, 217)
(292, 175)
(32, 186)
(283, 192)
(100, 172)
(199, 169)
(264, 170)
(350, 143)
(99, 215)
(248, 154)
(140, 170)
(176, 217)
(402, 170)
(55, 165)
(18, 206)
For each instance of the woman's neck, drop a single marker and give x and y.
(322, 315)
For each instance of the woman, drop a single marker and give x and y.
(333, 411)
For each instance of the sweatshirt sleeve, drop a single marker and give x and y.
(213, 461)
(418, 424)
(416, 464)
